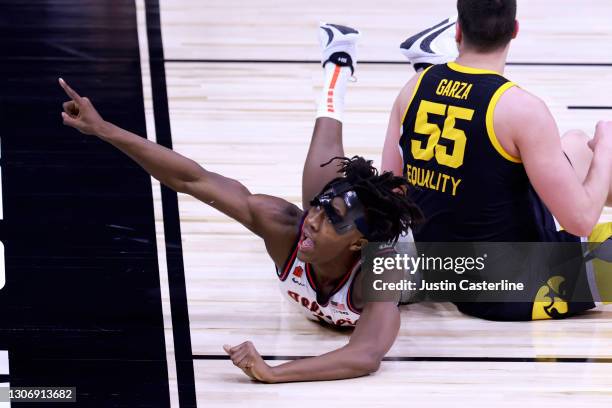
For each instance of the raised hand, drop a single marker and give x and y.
(80, 113)
(603, 135)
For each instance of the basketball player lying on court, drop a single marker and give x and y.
(484, 157)
(316, 249)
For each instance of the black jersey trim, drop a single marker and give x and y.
(349, 295)
(339, 285)
(291, 258)
(310, 279)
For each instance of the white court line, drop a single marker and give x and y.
(4, 363)
(143, 43)
(4, 370)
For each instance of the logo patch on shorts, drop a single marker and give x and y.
(549, 302)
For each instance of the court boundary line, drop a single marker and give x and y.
(172, 228)
(589, 107)
(160, 237)
(374, 62)
(541, 359)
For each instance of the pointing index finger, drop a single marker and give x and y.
(69, 91)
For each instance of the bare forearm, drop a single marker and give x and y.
(346, 362)
(597, 183)
(374, 334)
(167, 166)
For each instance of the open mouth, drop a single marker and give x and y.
(306, 243)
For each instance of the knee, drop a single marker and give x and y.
(575, 138)
(575, 146)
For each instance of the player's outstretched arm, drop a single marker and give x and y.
(271, 218)
(374, 335)
(576, 205)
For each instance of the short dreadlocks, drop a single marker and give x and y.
(388, 211)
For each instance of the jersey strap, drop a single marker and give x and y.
(324, 301)
(491, 129)
(284, 272)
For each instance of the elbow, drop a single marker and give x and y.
(188, 184)
(581, 231)
(180, 186)
(584, 216)
(370, 363)
(184, 186)
(581, 225)
(372, 366)
(187, 179)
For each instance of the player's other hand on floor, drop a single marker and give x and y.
(246, 357)
(80, 113)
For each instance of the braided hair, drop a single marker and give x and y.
(389, 212)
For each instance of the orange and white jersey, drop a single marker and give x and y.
(298, 285)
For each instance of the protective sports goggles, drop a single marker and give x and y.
(355, 215)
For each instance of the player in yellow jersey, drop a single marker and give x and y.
(483, 156)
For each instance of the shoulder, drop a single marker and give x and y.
(277, 221)
(517, 102)
(521, 115)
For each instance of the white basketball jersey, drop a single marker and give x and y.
(299, 287)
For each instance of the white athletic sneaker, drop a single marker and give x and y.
(435, 45)
(339, 45)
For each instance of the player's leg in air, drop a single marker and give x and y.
(316, 250)
(339, 59)
(432, 46)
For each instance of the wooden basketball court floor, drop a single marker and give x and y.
(242, 80)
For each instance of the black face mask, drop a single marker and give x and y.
(354, 217)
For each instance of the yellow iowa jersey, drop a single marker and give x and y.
(468, 187)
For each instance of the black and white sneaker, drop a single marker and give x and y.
(435, 45)
(339, 45)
